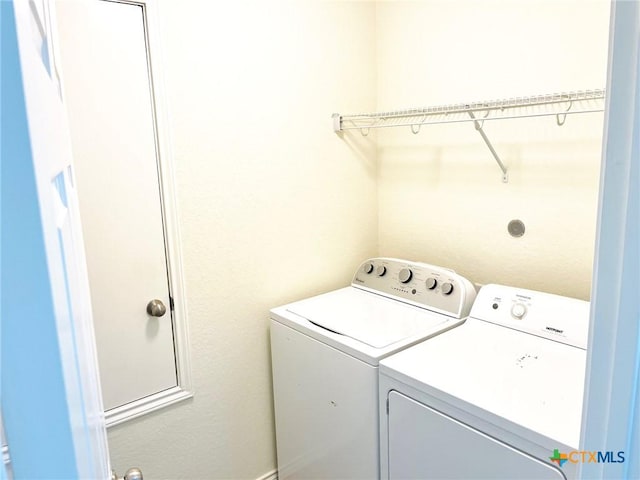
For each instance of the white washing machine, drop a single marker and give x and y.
(491, 399)
(325, 354)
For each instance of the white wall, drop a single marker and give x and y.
(441, 198)
(273, 207)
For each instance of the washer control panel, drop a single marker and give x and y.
(428, 286)
(558, 318)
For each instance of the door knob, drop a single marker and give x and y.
(156, 308)
(131, 474)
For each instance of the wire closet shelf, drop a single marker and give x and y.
(558, 104)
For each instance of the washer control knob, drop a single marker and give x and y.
(405, 275)
(367, 267)
(432, 283)
(447, 288)
(381, 270)
(519, 310)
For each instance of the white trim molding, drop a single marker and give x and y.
(611, 415)
(272, 475)
(152, 403)
(170, 209)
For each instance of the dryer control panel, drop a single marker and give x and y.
(558, 318)
(428, 286)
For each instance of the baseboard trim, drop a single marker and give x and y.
(272, 475)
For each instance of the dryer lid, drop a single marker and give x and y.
(369, 318)
(519, 377)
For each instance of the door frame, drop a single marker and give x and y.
(164, 157)
(611, 414)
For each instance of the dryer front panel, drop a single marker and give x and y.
(424, 443)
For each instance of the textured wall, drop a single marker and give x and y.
(273, 207)
(441, 198)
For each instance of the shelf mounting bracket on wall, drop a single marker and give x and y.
(478, 125)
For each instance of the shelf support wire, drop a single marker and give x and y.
(505, 175)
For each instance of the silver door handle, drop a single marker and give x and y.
(131, 474)
(156, 308)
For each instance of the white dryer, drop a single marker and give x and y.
(499, 397)
(325, 353)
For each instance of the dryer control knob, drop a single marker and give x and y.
(381, 270)
(367, 268)
(405, 275)
(519, 310)
(447, 288)
(432, 283)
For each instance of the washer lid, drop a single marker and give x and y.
(369, 318)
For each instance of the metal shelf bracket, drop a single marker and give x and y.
(337, 122)
(478, 125)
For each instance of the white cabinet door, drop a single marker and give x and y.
(111, 116)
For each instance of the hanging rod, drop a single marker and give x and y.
(558, 104)
(567, 103)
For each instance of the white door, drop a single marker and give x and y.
(51, 402)
(111, 117)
